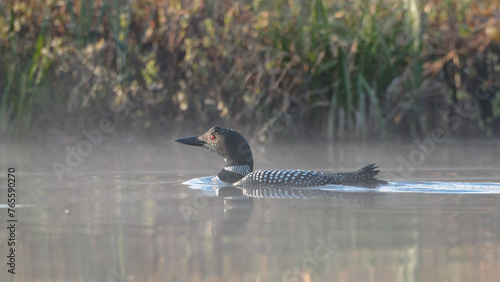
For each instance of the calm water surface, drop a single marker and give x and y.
(123, 214)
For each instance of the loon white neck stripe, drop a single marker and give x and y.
(240, 169)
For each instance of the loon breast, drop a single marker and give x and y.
(290, 178)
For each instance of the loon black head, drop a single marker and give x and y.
(229, 144)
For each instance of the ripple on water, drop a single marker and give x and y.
(210, 183)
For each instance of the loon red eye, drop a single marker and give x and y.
(212, 137)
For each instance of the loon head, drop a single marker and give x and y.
(229, 144)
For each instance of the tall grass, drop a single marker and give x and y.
(351, 52)
(23, 73)
(347, 68)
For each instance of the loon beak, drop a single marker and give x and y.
(193, 141)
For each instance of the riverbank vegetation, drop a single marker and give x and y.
(344, 69)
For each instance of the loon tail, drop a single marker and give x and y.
(363, 177)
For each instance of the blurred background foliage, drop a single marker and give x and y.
(341, 69)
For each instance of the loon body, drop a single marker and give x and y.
(239, 165)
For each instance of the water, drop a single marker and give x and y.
(123, 214)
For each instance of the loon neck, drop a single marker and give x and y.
(234, 173)
(238, 158)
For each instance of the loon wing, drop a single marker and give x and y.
(364, 177)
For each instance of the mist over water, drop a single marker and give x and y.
(122, 213)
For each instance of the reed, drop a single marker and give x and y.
(352, 51)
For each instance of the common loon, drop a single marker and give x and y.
(239, 165)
